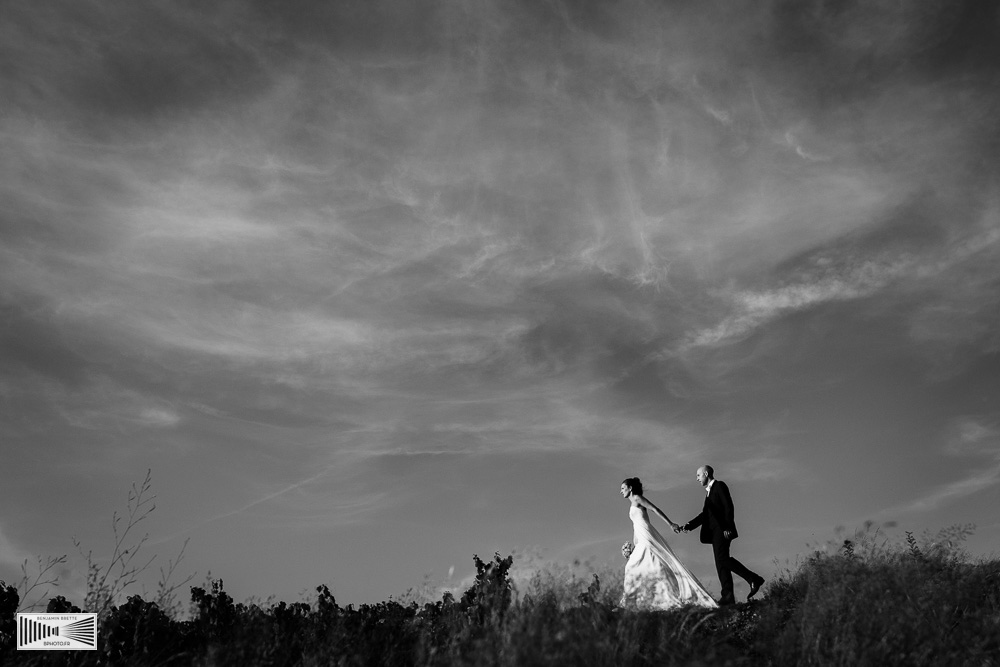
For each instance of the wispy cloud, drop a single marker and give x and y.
(768, 466)
(338, 511)
(973, 483)
(307, 245)
(837, 276)
(969, 437)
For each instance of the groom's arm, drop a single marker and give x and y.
(694, 523)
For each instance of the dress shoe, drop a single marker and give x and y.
(754, 587)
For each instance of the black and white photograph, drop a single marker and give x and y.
(500, 332)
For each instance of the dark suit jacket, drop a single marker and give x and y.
(716, 516)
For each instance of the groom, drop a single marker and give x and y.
(718, 528)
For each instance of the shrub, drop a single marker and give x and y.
(9, 601)
(139, 632)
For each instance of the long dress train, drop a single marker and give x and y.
(654, 577)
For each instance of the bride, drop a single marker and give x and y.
(654, 578)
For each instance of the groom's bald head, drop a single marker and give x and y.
(705, 474)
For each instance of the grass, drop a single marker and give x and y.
(870, 602)
(865, 601)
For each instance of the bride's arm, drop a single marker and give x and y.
(649, 505)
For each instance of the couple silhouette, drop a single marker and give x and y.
(655, 577)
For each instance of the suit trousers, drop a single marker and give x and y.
(726, 565)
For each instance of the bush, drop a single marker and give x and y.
(9, 601)
(896, 608)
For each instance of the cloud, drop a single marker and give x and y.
(973, 435)
(848, 270)
(767, 466)
(966, 436)
(755, 308)
(948, 493)
(107, 405)
(11, 555)
(540, 420)
(333, 503)
(159, 417)
(306, 244)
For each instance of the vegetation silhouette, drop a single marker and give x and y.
(870, 602)
(865, 600)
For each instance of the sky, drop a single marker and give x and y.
(372, 287)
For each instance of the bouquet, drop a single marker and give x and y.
(627, 550)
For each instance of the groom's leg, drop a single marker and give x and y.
(739, 568)
(721, 549)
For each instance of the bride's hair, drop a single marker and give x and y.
(634, 485)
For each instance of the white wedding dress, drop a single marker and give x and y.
(654, 577)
